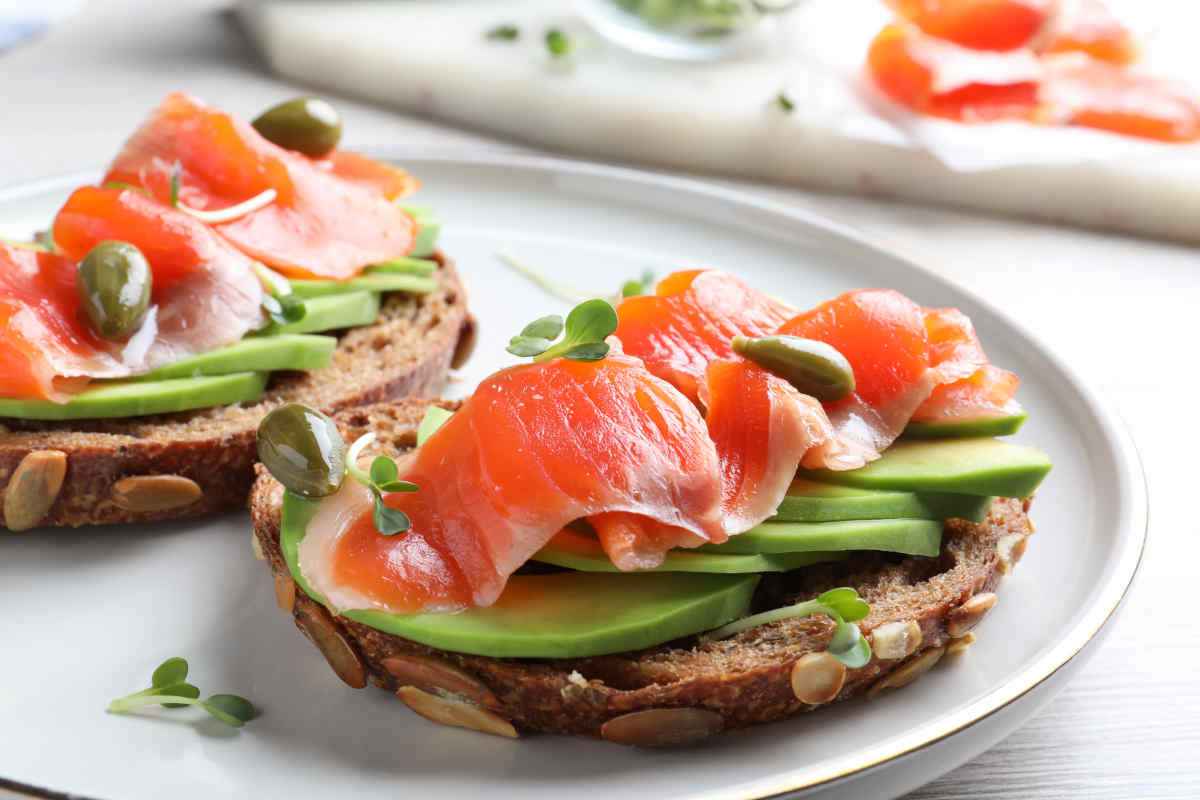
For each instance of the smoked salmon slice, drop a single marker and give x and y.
(979, 24)
(205, 293)
(46, 345)
(689, 322)
(537, 446)
(329, 218)
(969, 385)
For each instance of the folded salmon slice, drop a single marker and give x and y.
(980, 24)
(689, 321)
(205, 295)
(330, 217)
(536, 447)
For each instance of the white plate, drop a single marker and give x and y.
(89, 613)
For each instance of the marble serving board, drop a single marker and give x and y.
(433, 58)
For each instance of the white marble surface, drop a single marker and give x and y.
(1125, 309)
(430, 56)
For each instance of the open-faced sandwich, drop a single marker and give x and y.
(699, 510)
(218, 270)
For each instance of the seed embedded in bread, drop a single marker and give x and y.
(455, 712)
(314, 621)
(959, 646)
(285, 593)
(895, 640)
(662, 727)
(817, 678)
(1010, 550)
(33, 488)
(962, 619)
(907, 673)
(439, 677)
(145, 493)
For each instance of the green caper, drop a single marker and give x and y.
(303, 450)
(114, 282)
(814, 368)
(308, 125)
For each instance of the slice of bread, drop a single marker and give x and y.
(192, 463)
(921, 610)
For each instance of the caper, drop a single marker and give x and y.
(308, 125)
(813, 367)
(114, 282)
(303, 450)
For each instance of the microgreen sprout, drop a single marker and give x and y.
(583, 334)
(278, 301)
(560, 291)
(558, 44)
(842, 605)
(785, 103)
(638, 286)
(383, 476)
(169, 688)
(504, 33)
(176, 180)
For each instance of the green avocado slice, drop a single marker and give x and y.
(135, 398)
(429, 228)
(290, 351)
(1004, 425)
(917, 537)
(809, 501)
(965, 466)
(581, 552)
(566, 615)
(370, 282)
(332, 312)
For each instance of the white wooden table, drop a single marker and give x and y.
(1128, 311)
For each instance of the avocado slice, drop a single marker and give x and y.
(966, 466)
(370, 281)
(107, 400)
(917, 537)
(1003, 425)
(809, 501)
(429, 228)
(566, 615)
(291, 351)
(332, 312)
(582, 552)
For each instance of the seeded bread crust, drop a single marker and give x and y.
(740, 681)
(407, 351)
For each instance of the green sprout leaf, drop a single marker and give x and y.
(591, 321)
(179, 690)
(549, 327)
(230, 709)
(504, 33)
(638, 286)
(785, 103)
(435, 417)
(176, 180)
(170, 672)
(169, 689)
(527, 346)
(381, 477)
(842, 605)
(383, 470)
(593, 351)
(583, 334)
(558, 44)
(389, 521)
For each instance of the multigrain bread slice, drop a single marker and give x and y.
(921, 610)
(188, 464)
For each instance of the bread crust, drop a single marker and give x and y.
(407, 351)
(747, 679)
